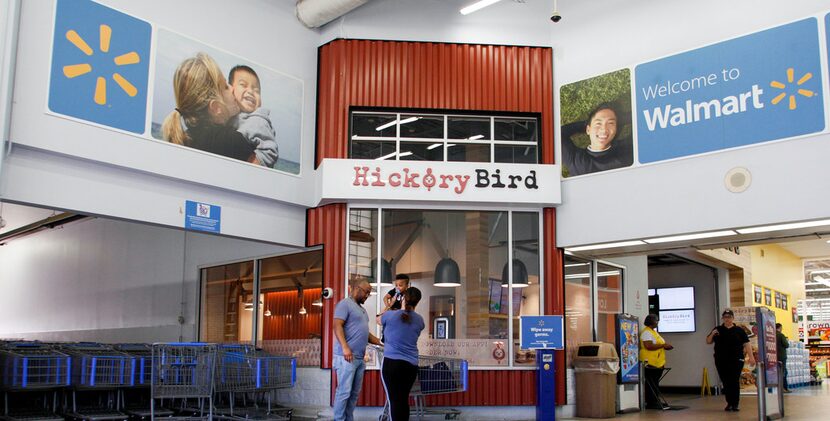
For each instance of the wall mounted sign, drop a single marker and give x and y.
(541, 332)
(752, 89)
(202, 217)
(426, 181)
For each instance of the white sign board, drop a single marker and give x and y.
(355, 180)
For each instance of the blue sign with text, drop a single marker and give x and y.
(752, 89)
(202, 217)
(541, 332)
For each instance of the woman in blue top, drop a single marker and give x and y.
(400, 356)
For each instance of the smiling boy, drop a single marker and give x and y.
(254, 122)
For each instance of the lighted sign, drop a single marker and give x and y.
(372, 180)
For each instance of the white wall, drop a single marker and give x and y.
(685, 195)
(105, 280)
(691, 353)
(93, 170)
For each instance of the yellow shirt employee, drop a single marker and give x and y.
(653, 356)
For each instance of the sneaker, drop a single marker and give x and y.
(728, 408)
(735, 409)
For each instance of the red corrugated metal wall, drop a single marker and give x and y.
(326, 226)
(554, 289)
(285, 321)
(423, 75)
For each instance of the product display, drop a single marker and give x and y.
(798, 365)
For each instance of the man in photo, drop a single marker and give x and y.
(603, 153)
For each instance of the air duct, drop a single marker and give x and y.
(316, 13)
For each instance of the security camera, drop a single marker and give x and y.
(555, 16)
(328, 293)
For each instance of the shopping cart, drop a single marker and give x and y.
(252, 376)
(436, 375)
(32, 375)
(101, 371)
(135, 400)
(183, 374)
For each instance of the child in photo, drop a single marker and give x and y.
(254, 122)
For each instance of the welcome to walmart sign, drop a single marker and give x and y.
(760, 87)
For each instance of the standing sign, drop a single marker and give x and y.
(628, 347)
(202, 217)
(767, 345)
(541, 332)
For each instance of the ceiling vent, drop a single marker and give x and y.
(316, 13)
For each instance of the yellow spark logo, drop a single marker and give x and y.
(75, 70)
(790, 77)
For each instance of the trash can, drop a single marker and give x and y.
(596, 365)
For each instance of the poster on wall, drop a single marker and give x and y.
(258, 119)
(746, 319)
(784, 303)
(728, 95)
(777, 299)
(757, 293)
(767, 296)
(202, 98)
(596, 129)
(628, 348)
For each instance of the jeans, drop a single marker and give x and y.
(349, 382)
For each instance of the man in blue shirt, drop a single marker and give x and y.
(351, 327)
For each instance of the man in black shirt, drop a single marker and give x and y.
(782, 343)
(731, 345)
(604, 152)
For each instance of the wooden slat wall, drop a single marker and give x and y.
(285, 321)
(423, 75)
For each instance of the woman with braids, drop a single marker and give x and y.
(400, 357)
(204, 107)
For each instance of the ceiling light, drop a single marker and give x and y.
(267, 313)
(318, 302)
(609, 273)
(819, 271)
(577, 276)
(477, 6)
(476, 137)
(795, 225)
(606, 245)
(302, 310)
(392, 123)
(403, 154)
(433, 146)
(387, 156)
(570, 265)
(686, 237)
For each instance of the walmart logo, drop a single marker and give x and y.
(800, 91)
(100, 65)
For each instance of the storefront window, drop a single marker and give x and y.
(228, 303)
(579, 320)
(288, 310)
(458, 260)
(439, 137)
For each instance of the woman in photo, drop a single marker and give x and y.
(205, 105)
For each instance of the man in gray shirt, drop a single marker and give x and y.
(351, 327)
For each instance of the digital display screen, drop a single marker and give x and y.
(676, 298)
(676, 321)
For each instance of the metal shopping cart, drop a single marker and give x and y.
(98, 371)
(182, 376)
(436, 375)
(32, 375)
(247, 379)
(135, 400)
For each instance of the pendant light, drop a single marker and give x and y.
(447, 273)
(519, 275)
